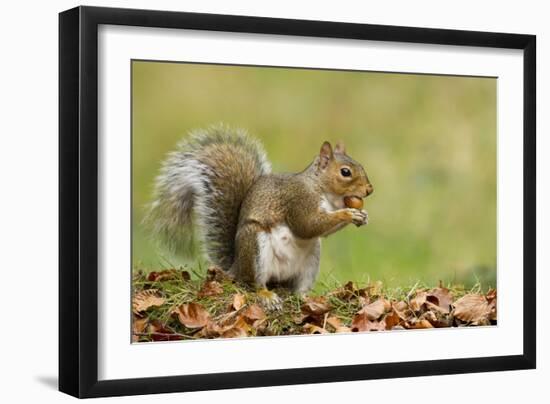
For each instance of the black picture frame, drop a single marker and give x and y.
(78, 200)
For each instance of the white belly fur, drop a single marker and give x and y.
(283, 256)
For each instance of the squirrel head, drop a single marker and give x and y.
(340, 174)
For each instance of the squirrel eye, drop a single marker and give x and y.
(346, 172)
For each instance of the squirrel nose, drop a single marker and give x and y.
(369, 190)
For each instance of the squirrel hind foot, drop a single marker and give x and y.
(270, 300)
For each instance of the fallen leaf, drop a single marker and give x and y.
(337, 325)
(402, 309)
(313, 329)
(418, 300)
(138, 327)
(253, 314)
(374, 289)
(491, 297)
(139, 324)
(315, 306)
(361, 322)
(159, 332)
(238, 329)
(422, 323)
(429, 306)
(376, 309)
(217, 274)
(431, 317)
(146, 298)
(210, 330)
(441, 297)
(238, 301)
(210, 288)
(392, 319)
(347, 292)
(192, 315)
(334, 322)
(167, 275)
(472, 308)
(234, 332)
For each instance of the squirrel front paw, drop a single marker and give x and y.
(359, 217)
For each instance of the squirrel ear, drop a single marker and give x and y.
(340, 148)
(325, 155)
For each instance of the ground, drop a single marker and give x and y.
(181, 304)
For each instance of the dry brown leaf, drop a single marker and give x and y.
(168, 274)
(234, 332)
(159, 332)
(138, 327)
(139, 324)
(402, 310)
(238, 301)
(376, 309)
(374, 289)
(313, 329)
(211, 330)
(217, 274)
(337, 324)
(161, 275)
(431, 317)
(253, 314)
(392, 319)
(309, 318)
(361, 322)
(146, 298)
(210, 288)
(334, 322)
(192, 315)
(315, 306)
(227, 318)
(238, 329)
(472, 308)
(441, 297)
(437, 317)
(350, 291)
(422, 323)
(429, 306)
(418, 300)
(491, 297)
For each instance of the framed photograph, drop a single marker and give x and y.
(251, 201)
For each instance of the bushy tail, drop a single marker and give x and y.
(205, 180)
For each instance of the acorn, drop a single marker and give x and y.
(353, 202)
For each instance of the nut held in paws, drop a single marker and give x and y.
(353, 202)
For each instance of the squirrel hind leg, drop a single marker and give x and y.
(247, 267)
(304, 280)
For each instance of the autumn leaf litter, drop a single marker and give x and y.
(171, 305)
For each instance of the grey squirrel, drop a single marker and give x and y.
(260, 227)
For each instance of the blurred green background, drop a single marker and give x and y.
(428, 144)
